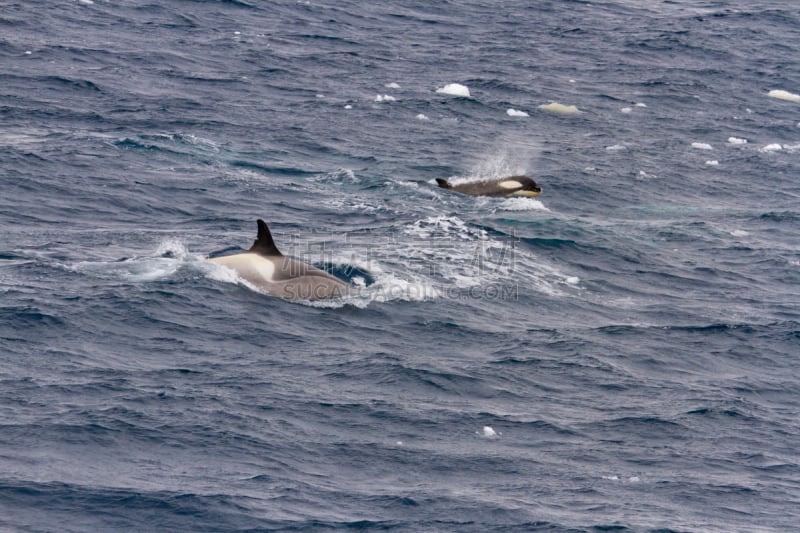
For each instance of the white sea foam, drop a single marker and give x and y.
(640, 104)
(515, 113)
(167, 259)
(784, 95)
(384, 98)
(712, 163)
(739, 233)
(454, 89)
(522, 204)
(615, 148)
(392, 85)
(421, 116)
(702, 146)
(626, 110)
(736, 140)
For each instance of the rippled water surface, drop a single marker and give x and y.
(618, 353)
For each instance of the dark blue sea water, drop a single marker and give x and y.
(618, 354)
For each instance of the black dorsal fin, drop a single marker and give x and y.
(443, 183)
(264, 244)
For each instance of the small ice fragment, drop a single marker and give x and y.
(348, 106)
(712, 162)
(615, 148)
(488, 432)
(702, 146)
(626, 109)
(572, 280)
(736, 140)
(392, 85)
(784, 95)
(384, 98)
(775, 147)
(739, 233)
(561, 109)
(516, 113)
(640, 104)
(422, 117)
(455, 89)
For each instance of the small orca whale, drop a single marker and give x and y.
(272, 273)
(503, 187)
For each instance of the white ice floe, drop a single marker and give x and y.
(455, 89)
(516, 113)
(626, 110)
(712, 163)
(488, 432)
(784, 95)
(739, 233)
(774, 147)
(702, 146)
(560, 109)
(422, 116)
(392, 85)
(736, 140)
(384, 98)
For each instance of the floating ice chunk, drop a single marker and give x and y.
(784, 95)
(455, 89)
(488, 432)
(422, 116)
(384, 98)
(634, 479)
(515, 113)
(739, 233)
(640, 104)
(348, 106)
(626, 109)
(775, 147)
(736, 140)
(572, 280)
(561, 109)
(392, 85)
(614, 148)
(712, 163)
(702, 146)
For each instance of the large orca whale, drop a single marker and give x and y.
(269, 271)
(502, 187)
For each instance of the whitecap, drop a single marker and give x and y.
(736, 140)
(522, 204)
(454, 89)
(626, 110)
(392, 85)
(384, 98)
(422, 116)
(712, 163)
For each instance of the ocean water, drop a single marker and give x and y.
(618, 354)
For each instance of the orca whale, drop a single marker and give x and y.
(512, 186)
(269, 271)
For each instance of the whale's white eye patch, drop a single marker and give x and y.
(510, 184)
